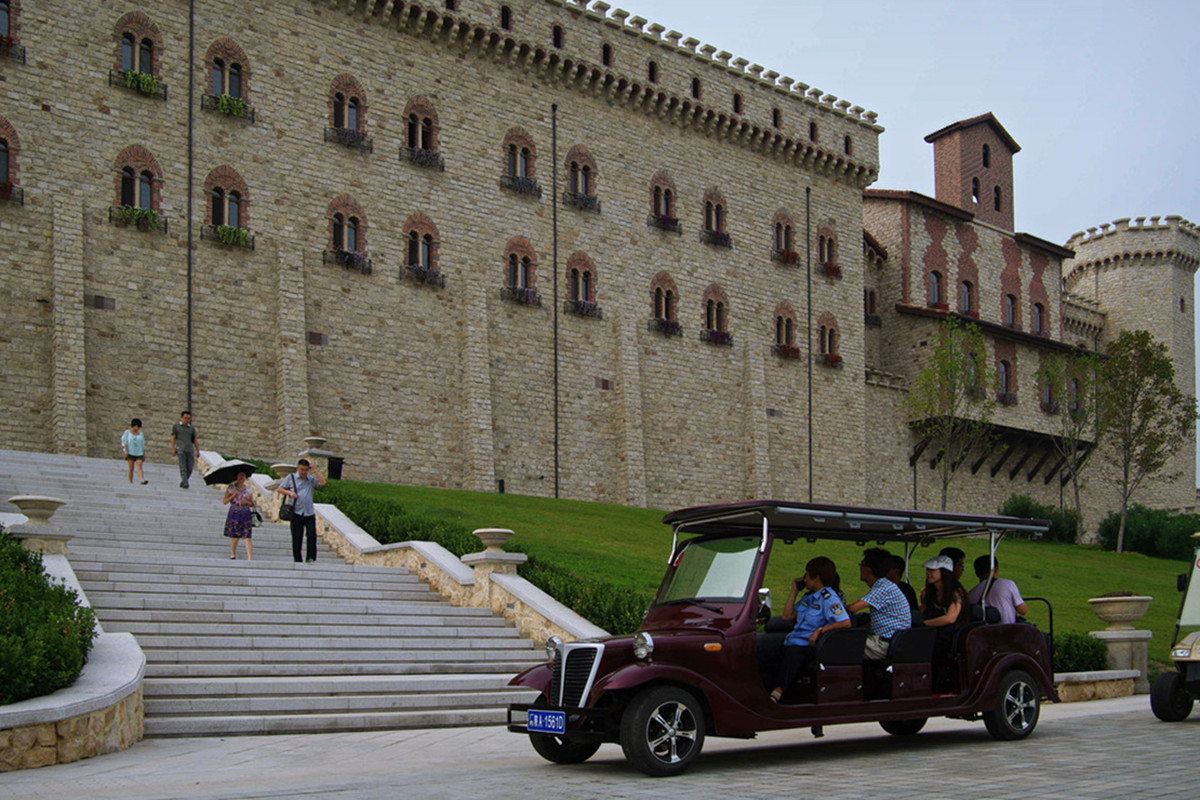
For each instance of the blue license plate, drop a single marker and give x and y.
(554, 722)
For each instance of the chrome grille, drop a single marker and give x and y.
(574, 672)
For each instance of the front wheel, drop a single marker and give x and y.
(1018, 704)
(903, 727)
(662, 731)
(559, 750)
(1169, 698)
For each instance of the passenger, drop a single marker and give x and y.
(942, 599)
(820, 610)
(1001, 594)
(889, 609)
(896, 576)
(959, 558)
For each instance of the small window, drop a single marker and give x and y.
(5, 18)
(652, 72)
(987, 156)
(847, 146)
(1038, 322)
(145, 191)
(714, 315)
(557, 37)
(783, 236)
(1047, 397)
(128, 187)
(737, 103)
(869, 302)
(606, 55)
(1182, 303)
(339, 110)
(975, 189)
(695, 88)
(996, 198)
(714, 216)
(4, 175)
(812, 132)
(664, 303)
(935, 288)
(1003, 377)
(776, 118)
(1073, 398)
(128, 46)
(966, 298)
(146, 57)
(345, 233)
(506, 18)
(1010, 310)
(452, 5)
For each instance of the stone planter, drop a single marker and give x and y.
(38, 508)
(315, 442)
(1120, 612)
(283, 470)
(493, 538)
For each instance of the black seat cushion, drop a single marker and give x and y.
(842, 647)
(912, 646)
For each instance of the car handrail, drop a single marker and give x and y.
(1050, 634)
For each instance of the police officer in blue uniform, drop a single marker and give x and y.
(819, 611)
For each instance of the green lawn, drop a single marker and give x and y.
(629, 547)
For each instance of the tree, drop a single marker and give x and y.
(949, 406)
(1144, 416)
(1068, 383)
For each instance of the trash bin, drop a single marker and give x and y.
(335, 468)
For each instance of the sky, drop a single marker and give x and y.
(1102, 96)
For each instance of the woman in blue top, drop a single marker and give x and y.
(821, 609)
(133, 445)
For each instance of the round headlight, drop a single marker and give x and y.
(552, 647)
(643, 645)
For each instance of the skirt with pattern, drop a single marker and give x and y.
(239, 524)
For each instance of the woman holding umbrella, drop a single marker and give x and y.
(239, 523)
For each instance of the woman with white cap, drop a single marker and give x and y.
(943, 598)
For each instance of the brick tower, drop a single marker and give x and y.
(972, 162)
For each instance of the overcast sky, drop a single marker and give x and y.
(1102, 96)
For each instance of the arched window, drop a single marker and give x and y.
(339, 110)
(506, 18)
(5, 18)
(665, 297)
(345, 233)
(1037, 322)
(556, 35)
(737, 103)
(145, 190)
(783, 236)
(128, 48)
(1003, 377)
(129, 187)
(146, 56)
(1047, 397)
(987, 156)
(1074, 400)
(966, 298)
(226, 78)
(606, 55)
(217, 210)
(996, 198)
(823, 341)
(935, 288)
(352, 113)
(975, 189)
(662, 197)
(1010, 310)
(652, 72)
(696, 88)
(3, 160)
(420, 250)
(227, 201)
(869, 302)
(714, 315)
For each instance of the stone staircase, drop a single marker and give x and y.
(265, 646)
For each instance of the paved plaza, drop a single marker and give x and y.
(1102, 749)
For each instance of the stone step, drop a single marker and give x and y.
(509, 665)
(319, 703)
(201, 590)
(251, 603)
(283, 626)
(435, 615)
(327, 685)
(323, 723)
(260, 577)
(280, 649)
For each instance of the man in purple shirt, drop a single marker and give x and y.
(1000, 593)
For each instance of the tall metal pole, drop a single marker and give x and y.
(190, 184)
(808, 261)
(554, 302)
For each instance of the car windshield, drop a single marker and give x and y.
(712, 570)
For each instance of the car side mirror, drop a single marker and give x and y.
(1181, 582)
(764, 604)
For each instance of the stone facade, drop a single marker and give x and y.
(404, 284)
(106, 730)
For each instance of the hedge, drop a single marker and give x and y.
(45, 635)
(1064, 525)
(611, 607)
(1152, 532)
(1077, 652)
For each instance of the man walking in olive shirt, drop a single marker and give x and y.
(184, 443)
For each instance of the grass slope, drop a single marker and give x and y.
(629, 547)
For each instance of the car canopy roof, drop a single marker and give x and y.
(789, 520)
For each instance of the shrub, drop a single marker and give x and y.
(1064, 525)
(611, 607)
(1152, 532)
(45, 635)
(1078, 652)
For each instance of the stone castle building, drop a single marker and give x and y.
(530, 246)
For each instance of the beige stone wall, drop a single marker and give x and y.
(106, 730)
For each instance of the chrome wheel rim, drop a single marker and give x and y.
(1020, 706)
(671, 732)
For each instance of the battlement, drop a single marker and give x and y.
(1140, 240)
(1173, 222)
(1082, 319)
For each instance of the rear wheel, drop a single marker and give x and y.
(903, 727)
(1018, 704)
(1169, 698)
(662, 731)
(558, 749)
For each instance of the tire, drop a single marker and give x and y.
(1169, 698)
(903, 727)
(662, 731)
(559, 750)
(1018, 703)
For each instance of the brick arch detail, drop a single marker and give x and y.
(232, 53)
(784, 309)
(141, 27)
(782, 216)
(828, 229)
(522, 249)
(423, 226)
(580, 155)
(347, 206)
(664, 281)
(423, 108)
(715, 293)
(1007, 351)
(347, 85)
(227, 178)
(9, 134)
(582, 261)
(829, 322)
(520, 137)
(140, 160)
(662, 180)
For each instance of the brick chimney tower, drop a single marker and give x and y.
(972, 164)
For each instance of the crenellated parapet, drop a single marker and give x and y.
(1083, 320)
(1127, 242)
(845, 147)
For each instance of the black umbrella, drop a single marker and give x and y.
(227, 471)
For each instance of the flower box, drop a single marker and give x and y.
(228, 106)
(6, 190)
(350, 137)
(940, 306)
(716, 238)
(872, 320)
(584, 202)
(830, 360)
(667, 327)
(421, 157)
(583, 308)
(423, 275)
(1007, 398)
(10, 49)
(788, 258)
(228, 235)
(526, 186)
(521, 295)
(1050, 407)
(664, 222)
(831, 270)
(712, 336)
(787, 351)
(144, 219)
(140, 82)
(349, 259)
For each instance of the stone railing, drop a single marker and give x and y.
(1099, 685)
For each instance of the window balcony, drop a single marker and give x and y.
(832, 360)
(519, 185)
(584, 202)
(872, 320)
(139, 82)
(789, 352)
(521, 295)
(350, 137)
(12, 194)
(789, 258)
(348, 259)
(1007, 398)
(1050, 406)
(144, 219)
(228, 235)
(228, 106)
(583, 308)
(716, 238)
(716, 337)
(667, 327)
(831, 270)
(939, 306)
(424, 276)
(664, 222)
(419, 156)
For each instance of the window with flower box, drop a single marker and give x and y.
(664, 302)
(871, 317)
(1037, 319)
(785, 332)
(421, 263)
(139, 191)
(520, 164)
(716, 317)
(348, 114)
(829, 341)
(138, 54)
(348, 235)
(662, 204)
(937, 294)
(581, 287)
(827, 251)
(1049, 403)
(229, 81)
(783, 245)
(714, 231)
(966, 299)
(520, 273)
(421, 144)
(1010, 311)
(1005, 383)
(228, 209)
(581, 180)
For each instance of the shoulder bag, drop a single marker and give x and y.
(288, 506)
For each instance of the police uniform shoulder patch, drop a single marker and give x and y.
(825, 594)
(836, 608)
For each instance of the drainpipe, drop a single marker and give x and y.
(190, 183)
(554, 303)
(808, 261)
